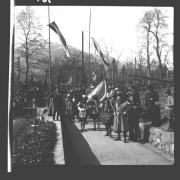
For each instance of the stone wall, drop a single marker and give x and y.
(162, 140)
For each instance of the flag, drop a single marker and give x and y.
(100, 90)
(55, 28)
(99, 51)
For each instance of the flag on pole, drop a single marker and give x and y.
(99, 51)
(55, 28)
(100, 90)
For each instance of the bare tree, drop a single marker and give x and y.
(29, 37)
(146, 24)
(159, 25)
(154, 25)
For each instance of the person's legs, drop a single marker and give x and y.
(81, 123)
(141, 131)
(98, 123)
(136, 130)
(84, 121)
(124, 134)
(94, 121)
(58, 117)
(107, 132)
(131, 130)
(119, 131)
(54, 113)
(110, 130)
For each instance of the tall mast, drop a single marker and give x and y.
(49, 54)
(83, 78)
(89, 43)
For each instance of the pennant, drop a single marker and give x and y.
(100, 90)
(55, 28)
(99, 51)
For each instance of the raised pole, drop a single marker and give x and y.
(89, 47)
(50, 91)
(83, 60)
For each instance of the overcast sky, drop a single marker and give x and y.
(115, 26)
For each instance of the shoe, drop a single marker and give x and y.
(94, 129)
(118, 139)
(142, 141)
(106, 134)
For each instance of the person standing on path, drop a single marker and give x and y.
(82, 106)
(74, 109)
(108, 109)
(50, 105)
(133, 114)
(95, 112)
(152, 106)
(58, 106)
(169, 111)
(123, 117)
(68, 112)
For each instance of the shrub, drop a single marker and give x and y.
(37, 148)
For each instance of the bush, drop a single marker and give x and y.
(38, 146)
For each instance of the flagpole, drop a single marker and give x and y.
(89, 43)
(49, 54)
(82, 59)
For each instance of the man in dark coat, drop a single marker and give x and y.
(133, 113)
(151, 104)
(108, 108)
(59, 106)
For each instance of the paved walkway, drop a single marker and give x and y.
(107, 151)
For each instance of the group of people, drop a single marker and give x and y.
(120, 111)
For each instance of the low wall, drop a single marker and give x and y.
(162, 140)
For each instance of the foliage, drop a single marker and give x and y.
(38, 146)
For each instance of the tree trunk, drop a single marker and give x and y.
(27, 62)
(159, 57)
(148, 58)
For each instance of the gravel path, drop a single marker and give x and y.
(111, 152)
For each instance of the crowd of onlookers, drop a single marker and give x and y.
(120, 111)
(29, 98)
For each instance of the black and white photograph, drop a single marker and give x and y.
(92, 85)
